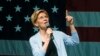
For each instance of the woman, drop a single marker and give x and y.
(48, 42)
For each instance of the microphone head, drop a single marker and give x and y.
(48, 25)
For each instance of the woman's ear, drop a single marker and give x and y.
(36, 24)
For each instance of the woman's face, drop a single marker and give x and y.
(42, 20)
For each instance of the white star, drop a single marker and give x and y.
(18, 28)
(45, 1)
(27, 0)
(9, 0)
(35, 29)
(9, 18)
(36, 8)
(1, 8)
(1, 28)
(27, 18)
(54, 9)
(17, 8)
(55, 28)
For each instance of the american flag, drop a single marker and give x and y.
(15, 23)
(16, 27)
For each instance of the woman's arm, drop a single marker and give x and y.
(69, 20)
(74, 38)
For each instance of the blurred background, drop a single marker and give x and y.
(16, 27)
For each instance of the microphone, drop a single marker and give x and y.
(51, 35)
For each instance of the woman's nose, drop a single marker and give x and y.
(45, 19)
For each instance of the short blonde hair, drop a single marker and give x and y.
(35, 14)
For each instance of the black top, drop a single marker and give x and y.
(51, 50)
